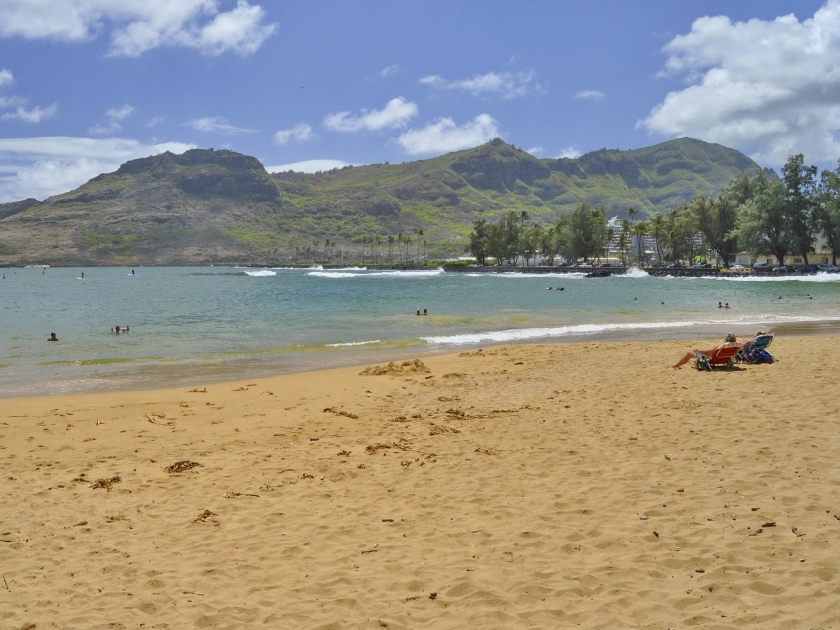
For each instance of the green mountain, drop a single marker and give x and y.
(220, 206)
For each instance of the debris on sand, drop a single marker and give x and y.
(106, 483)
(182, 466)
(152, 417)
(438, 429)
(375, 448)
(206, 516)
(406, 367)
(486, 451)
(197, 391)
(115, 518)
(233, 495)
(341, 412)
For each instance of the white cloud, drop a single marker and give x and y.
(137, 26)
(215, 124)
(387, 72)
(103, 129)
(32, 116)
(299, 133)
(113, 117)
(154, 121)
(396, 113)
(444, 135)
(120, 113)
(569, 152)
(589, 94)
(11, 101)
(44, 166)
(505, 84)
(6, 77)
(309, 166)
(768, 87)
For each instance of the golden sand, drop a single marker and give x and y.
(529, 486)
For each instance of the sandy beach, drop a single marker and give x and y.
(528, 486)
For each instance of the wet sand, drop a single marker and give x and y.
(549, 485)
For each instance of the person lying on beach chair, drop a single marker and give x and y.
(755, 350)
(719, 356)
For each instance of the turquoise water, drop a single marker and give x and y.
(192, 325)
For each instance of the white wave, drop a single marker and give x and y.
(261, 273)
(332, 274)
(371, 274)
(352, 343)
(501, 336)
(634, 272)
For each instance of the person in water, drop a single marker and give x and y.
(425, 312)
(726, 305)
(119, 329)
(720, 305)
(418, 312)
(83, 275)
(52, 337)
(731, 340)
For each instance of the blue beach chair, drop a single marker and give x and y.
(755, 350)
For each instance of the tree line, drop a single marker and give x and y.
(757, 213)
(373, 249)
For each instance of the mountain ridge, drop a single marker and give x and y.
(208, 205)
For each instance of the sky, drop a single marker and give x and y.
(86, 85)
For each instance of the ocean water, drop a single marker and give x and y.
(195, 325)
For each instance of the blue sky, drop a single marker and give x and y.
(88, 84)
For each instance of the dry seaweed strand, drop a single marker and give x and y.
(204, 516)
(438, 429)
(182, 466)
(106, 483)
(233, 495)
(151, 418)
(340, 412)
(197, 391)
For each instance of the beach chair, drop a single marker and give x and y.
(723, 356)
(755, 350)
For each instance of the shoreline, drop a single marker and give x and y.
(152, 377)
(523, 485)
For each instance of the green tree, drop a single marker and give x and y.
(420, 234)
(764, 224)
(640, 230)
(391, 240)
(657, 227)
(800, 202)
(828, 213)
(584, 232)
(479, 240)
(716, 219)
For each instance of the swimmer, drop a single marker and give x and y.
(83, 275)
(425, 312)
(418, 312)
(663, 303)
(779, 298)
(549, 288)
(720, 305)
(562, 289)
(52, 337)
(726, 305)
(635, 298)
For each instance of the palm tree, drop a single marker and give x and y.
(365, 240)
(378, 240)
(419, 234)
(399, 245)
(624, 240)
(391, 240)
(639, 231)
(424, 249)
(657, 226)
(408, 241)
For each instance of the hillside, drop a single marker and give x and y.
(220, 206)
